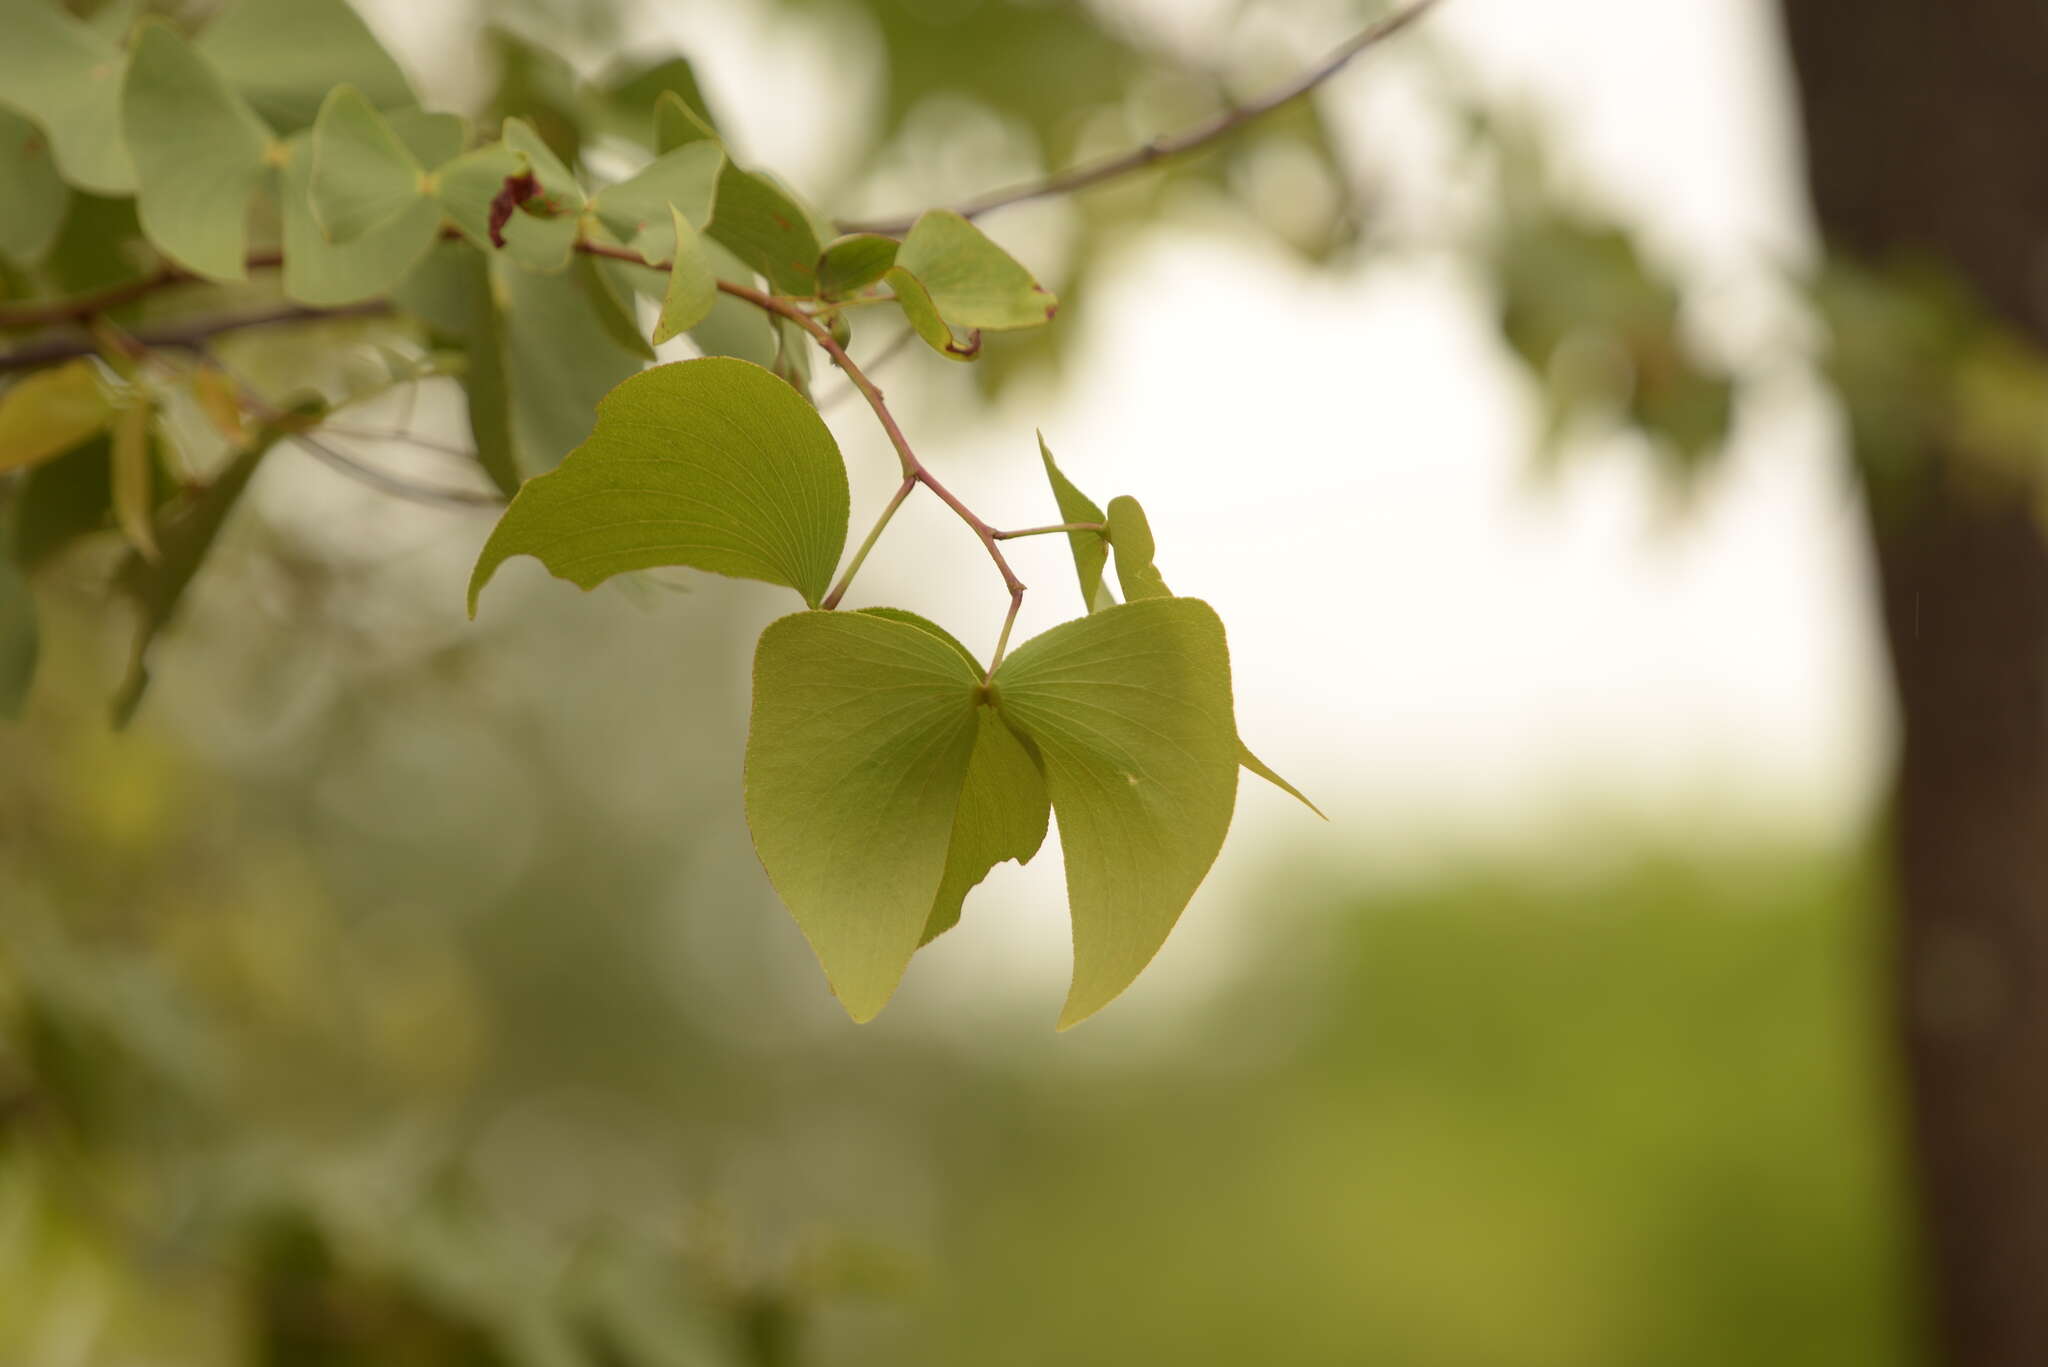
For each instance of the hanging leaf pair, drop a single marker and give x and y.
(886, 773)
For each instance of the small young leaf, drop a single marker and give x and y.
(1004, 811)
(849, 265)
(924, 317)
(859, 745)
(973, 282)
(767, 229)
(1130, 711)
(541, 236)
(692, 288)
(1130, 536)
(469, 185)
(285, 57)
(640, 209)
(363, 176)
(711, 463)
(49, 413)
(67, 77)
(1091, 552)
(35, 195)
(200, 154)
(133, 480)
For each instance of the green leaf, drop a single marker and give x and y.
(541, 236)
(925, 320)
(1091, 552)
(467, 185)
(1130, 711)
(1004, 811)
(635, 101)
(711, 463)
(62, 500)
(639, 210)
(677, 124)
(766, 229)
(363, 176)
(692, 288)
(972, 282)
(35, 195)
(67, 77)
(850, 264)
(185, 535)
(19, 639)
(1259, 767)
(133, 479)
(561, 360)
(285, 55)
(50, 412)
(610, 307)
(929, 628)
(1130, 536)
(325, 273)
(451, 292)
(859, 745)
(200, 155)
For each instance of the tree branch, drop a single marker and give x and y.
(1161, 148)
(48, 312)
(188, 335)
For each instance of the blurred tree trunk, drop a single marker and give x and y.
(1927, 135)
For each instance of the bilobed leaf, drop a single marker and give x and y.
(640, 209)
(929, 628)
(285, 55)
(925, 320)
(692, 288)
(1004, 811)
(1130, 712)
(35, 195)
(50, 412)
(712, 463)
(133, 480)
(324, 273)
(767, 229)
(200, 154)
(67, 77)
(850, 264)
(1091, 552)
(363, 176)
(1130, 537)
(859, 745)
(972, 282)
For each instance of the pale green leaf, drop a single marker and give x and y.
(766, 228)
(363, 176)
(712, 463)
(326, 274)
(200, 155)
(35, 195)
(692, 288)
(1130, 536)
(850, 264)
(630, 105)
(133, 481)
(285, 55)
(611, 307)
(67, 77)
(50, 412)
(1091, 552)
(930, 628)
(860, 741)
(972, 282)
(925, 320)
(433, 139)
(1130, 711)
(1004, 811)
(676, 124)
(1259, 767)
(561, 360)
(639, 210)
(451, 292)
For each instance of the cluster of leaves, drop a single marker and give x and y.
(887, 771)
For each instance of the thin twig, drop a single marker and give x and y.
(398, 487)
(45, 313)
(188, 335)
(860, 556)
(1159, 149)
(1099, 527)
(896, 347)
